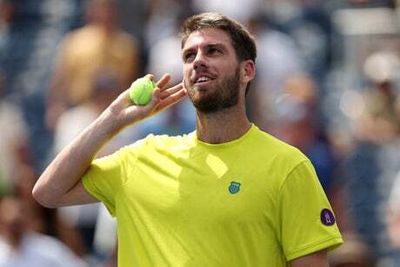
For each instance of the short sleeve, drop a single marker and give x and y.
(306, 218)
(103, 179)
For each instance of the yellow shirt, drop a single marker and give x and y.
(254, 201)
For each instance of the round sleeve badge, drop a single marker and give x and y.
(327, 217)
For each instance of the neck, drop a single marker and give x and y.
(222, 126)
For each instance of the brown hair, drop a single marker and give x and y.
(242, 41)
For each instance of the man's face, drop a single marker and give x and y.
(211, 70)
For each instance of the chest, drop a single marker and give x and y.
(206, 189)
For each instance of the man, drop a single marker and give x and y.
(227, 194)
(21, 245)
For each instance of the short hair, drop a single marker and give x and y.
(242, 41)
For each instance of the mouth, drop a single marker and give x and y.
(202, 79)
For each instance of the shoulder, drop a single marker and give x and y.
(43, 244)
(161, 141)
(275, 157)
(35, 240)
(78, 34)
(50, 249)
(127, 37)
(275, 148)
(125, 42)
(5, 250)
(77, 40)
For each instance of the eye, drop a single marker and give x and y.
(188, 57)
(214, 51)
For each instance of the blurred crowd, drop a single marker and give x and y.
(327, 82)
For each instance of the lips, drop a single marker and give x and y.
(202, 78)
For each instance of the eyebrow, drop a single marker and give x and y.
(217, 45)
(210, 45)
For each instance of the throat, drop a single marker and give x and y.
(218, 129)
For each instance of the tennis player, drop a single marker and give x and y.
(227, 194)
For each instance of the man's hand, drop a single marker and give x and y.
(124, 112)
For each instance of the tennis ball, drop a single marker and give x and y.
(141, 90)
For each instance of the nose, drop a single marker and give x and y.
(200, 61)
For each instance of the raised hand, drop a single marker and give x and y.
(125, 112)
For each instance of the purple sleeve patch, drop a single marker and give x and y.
(327, 217)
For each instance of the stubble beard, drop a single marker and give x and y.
(223, 96)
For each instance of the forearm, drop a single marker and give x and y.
(66, 170)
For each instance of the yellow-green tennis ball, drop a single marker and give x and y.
(141, 90)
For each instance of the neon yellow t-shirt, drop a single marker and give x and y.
(254, 201)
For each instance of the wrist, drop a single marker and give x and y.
(109, 124)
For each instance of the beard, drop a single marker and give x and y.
(222, 96)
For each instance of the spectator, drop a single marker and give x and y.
(7, 10)
(232, 8)
(393, 218)
(14, 145)
(379, 122)
(373, 160)
(22, 247)
(97, 45)
(278, 60)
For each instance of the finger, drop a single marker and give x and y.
(149, 76)
(146, 110)
(162, 83)
(155, 98)
(124, 96)
(171, 90)
(172, 99)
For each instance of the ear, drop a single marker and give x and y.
(248, 70)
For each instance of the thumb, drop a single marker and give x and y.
(150, 107)
(136, 113)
